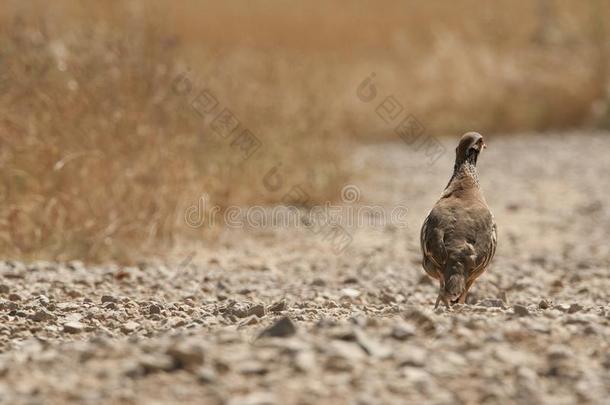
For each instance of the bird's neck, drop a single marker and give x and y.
(465, 177)
(466, 169)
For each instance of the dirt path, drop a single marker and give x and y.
(362, 328)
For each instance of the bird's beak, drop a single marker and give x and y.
(479, 146)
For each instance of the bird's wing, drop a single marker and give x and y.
(431, 238)
(486, 242)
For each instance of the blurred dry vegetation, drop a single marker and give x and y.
(100, 157)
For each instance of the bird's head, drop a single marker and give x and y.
(471, 144)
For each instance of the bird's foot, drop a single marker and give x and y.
(442, 299)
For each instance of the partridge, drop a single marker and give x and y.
(459, 236)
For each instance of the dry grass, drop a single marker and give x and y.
(100, 157)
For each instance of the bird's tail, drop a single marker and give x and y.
(456, 272)
(455, 284)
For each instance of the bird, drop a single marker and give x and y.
(459, 236)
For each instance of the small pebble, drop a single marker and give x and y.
(74, 327)
(14, 297)
(575, 308)
(520, 310)
(282, 328)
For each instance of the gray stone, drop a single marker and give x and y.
(343, 356)
(575, 308)
(520, 310)
(251, 320)
(423, 320)
(109, 298)
(42, 315)
(403, 331)
(253, 367)
(43, 300)
(371, 346)
(257, 309)
(74, 327)
(492, 303)
(281, 328)
(350, 293)
(154, 309)
(278, 306)
(206, 375)
(14, 297)
(129, 327)
(187, 354)
(155, 363)
(318, 282)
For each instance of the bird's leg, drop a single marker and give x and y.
(440, 294)
(440, 298)
(462, 299)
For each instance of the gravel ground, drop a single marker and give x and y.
(275, 316)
